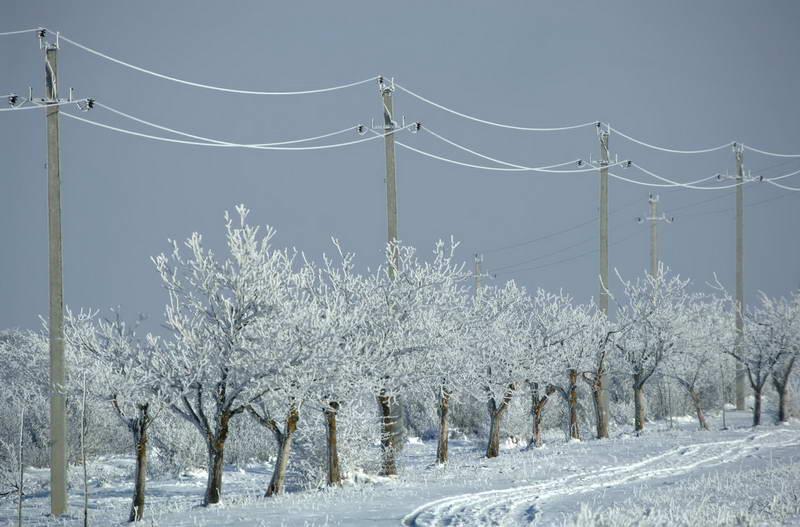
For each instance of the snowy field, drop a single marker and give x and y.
(741, 476)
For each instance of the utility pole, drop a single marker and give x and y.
(740, 388)
(603, 221)
(601, 391)
(389, 125)
(653, 236)
(653, 219)
(58, 410)
(478, 262)
(390, 407)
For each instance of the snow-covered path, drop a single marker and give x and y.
(542, 486)
(520, 505)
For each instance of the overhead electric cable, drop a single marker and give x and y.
(670, 150)
(493, 123)
(542, 256)
(571, 258)
(731, 209)
(211, 86)
(210, 140)
(228, 145)
(779, 185)
(592, 169)
(19, 32)
(766, 153)
(510, 168)
(513, 165)
(540, 238)
(692, 184)
(556, 233)
(690, 205)
(784, 176)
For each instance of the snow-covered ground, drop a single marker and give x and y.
(740, 476)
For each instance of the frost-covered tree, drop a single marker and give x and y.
(340, 376)
(121, 364)
(443, 324)
(398, 298)
(571, 334)
(597, 339)
(302, 342)
(497, 351)
(786, 315)
(552, 362)
(771, 340)
(652, 316)
(694, 366)
(216, 313)
(23, 400)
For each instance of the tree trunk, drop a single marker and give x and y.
(284, 439)
(781, 385)
(537, 408)
(444, 431)
(216, 461)
(493, 447)
(638, 404)
(757, 406)
(572, 400)
(140, 439)
(334, 472)
(496, 414)
(698, 407)
(783, 404)
(215, 465)
(389, 434)
(600, 401)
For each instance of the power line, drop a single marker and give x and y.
(766, 153)
(670, 183)
(210, 140)
(691, 185)
(556, 233)
(575, 257)
(729, 209)
(510, 167)
(493, 123)
(670, 150)
(541, 238)
(211, 86)
(793, 189)
(541, 256)
(513, 165)
(714, 198)
(19, 32)
(230, 145)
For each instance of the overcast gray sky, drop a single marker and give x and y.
(683, 74)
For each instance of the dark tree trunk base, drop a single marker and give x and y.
(444, 429)
(334, 471)
(389, 435)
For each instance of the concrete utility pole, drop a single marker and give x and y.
(391, 409)
(653, 219)
(601, 391)
(653, 200)
(603, 300)
(58, 410)
(478, 262)
(389, 125)
(740, 387)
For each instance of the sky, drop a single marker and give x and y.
(679, 74)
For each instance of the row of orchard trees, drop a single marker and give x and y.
(267, 334)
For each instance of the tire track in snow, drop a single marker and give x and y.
(510, 506)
